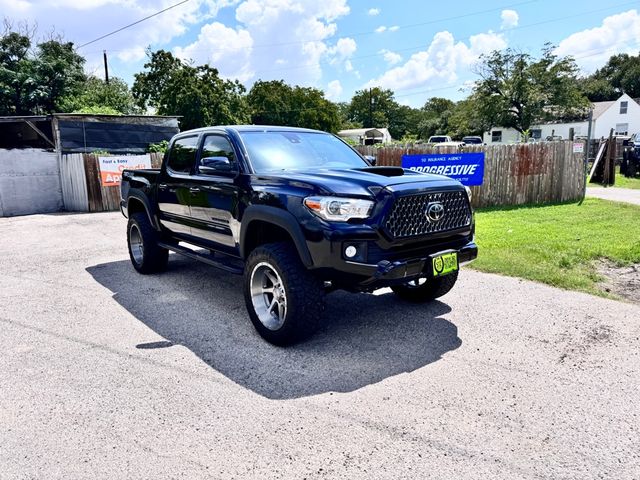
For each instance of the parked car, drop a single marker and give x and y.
(440, 139)
(298, 213)
(473, 140)
(630, 165)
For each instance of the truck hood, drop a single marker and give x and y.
(367, 181)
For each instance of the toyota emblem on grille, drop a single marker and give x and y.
(434, 211)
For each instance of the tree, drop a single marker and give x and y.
(98, 96)
(276, 103)
(621, 74)
(372, 108)
(376, 107)
(517, 91)
(37, 81)
(198, 94)
(434, 117)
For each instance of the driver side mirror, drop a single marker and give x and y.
(215, 165)
(371, 159)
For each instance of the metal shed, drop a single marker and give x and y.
(43, 167)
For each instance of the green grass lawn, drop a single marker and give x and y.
(624, 182)
(558, 244)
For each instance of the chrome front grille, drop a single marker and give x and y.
(408, 216)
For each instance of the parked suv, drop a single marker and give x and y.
(298, 213)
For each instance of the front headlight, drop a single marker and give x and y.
(339, 209)
(468, 192)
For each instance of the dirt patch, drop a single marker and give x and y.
(621, 281)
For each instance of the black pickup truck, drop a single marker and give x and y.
(299, 213)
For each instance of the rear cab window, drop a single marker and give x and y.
(182, 155)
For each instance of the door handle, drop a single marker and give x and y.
(194, 189)
(162, 186)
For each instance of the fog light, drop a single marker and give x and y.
(350, 251)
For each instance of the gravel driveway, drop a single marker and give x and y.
(108, 374)
(627, 195)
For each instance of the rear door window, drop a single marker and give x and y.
(182, 156)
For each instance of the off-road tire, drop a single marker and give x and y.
(303, 291)
(149, 257)
(430, 290)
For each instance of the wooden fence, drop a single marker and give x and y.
(81, 187)
(517, 174)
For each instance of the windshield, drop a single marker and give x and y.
(277, 151)
(438, 139)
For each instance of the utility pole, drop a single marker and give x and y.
(106, 67)
(370, 109)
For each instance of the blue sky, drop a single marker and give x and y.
(419, 49)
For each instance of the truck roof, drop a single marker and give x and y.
(253, 128)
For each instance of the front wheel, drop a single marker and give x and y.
(425, 290)
(284, 300)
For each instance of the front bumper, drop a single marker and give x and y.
(378, 265)
(390, 272)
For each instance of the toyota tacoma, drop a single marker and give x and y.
(298, 213)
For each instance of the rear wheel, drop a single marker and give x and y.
(284, 300)
(142, 239)
(425, 290)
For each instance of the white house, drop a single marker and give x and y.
(366, 136)
(623, 115)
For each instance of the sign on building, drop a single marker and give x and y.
(111, 167)
(467, 168)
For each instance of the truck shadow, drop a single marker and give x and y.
(365, 339)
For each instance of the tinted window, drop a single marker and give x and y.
(276, 151)
(217, 146)
(183, 154)
(496, 136)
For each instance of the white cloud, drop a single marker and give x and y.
(390, 57)
(83, 21)
(373, 12)
(394, 28)
(591, 48)
(343, 49)
(509, 18)
(334, 90)
(225, 48)
(297, 31)
(441, 63)
(381, 29)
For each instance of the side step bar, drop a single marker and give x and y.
(203, 257)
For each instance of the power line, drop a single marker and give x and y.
(373, 32)
(594, 52)
(134, 23)
(418, 47)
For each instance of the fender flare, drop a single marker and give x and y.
(142, 198)
(280, 218)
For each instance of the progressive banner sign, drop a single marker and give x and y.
(467, 168)
(111, 167)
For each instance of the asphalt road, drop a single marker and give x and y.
(108, 374)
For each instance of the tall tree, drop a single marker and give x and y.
(372, 107)
(98, 96)
(621, 74)
(516, 90)
(376, 107)
(197, 93)
(37, 80)
(434, 117)
(276, 103)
